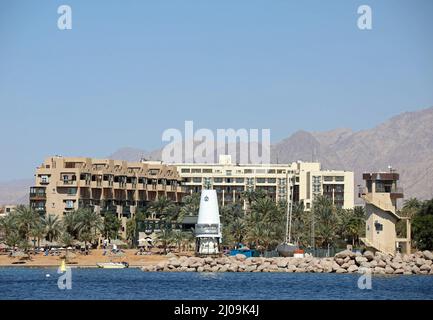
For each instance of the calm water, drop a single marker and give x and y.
(32, 283)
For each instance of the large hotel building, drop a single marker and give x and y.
(64, 184)
(306, 179)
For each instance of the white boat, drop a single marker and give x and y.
(113, 265)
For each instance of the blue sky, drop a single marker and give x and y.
(130, 69)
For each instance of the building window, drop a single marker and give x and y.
(218, 180)
(207, 170)
(271, 180)
(239, 180)
(339, 178)
(378, 226)
(261, 180)
(194, 170)
(69, 204)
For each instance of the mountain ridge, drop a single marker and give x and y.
(404, 141)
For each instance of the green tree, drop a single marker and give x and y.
(112, 225)
(26, 218)
(325, 218)
(9, 230)
(37, 232)
(52, 226)
(165, 238)
(161, 207)
(422, 226)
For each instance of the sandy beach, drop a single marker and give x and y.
(95, 256)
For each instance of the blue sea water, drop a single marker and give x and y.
(128, 284)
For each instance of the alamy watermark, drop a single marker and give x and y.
(65, 280)
(64, 22)
(365, 20)
(203, 146)
(365, 281)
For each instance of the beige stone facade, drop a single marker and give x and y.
(380, 195)
(64, 184)
(231, 180)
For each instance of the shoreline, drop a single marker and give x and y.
(83, 261)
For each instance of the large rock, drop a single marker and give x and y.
(208, 260)
(240, 257)
(291, 268)
(379, 270)
(397, 258)
(381, 263)
(345, 253)
(419, 262)
(161, 265)
(425, 267)
(352, 268)
(360, 260)
(282, 263)
(340, 261)
(369, 255)
(250, 268)
(341, 270)
(427, 255)
(399, 271)
(389, 270)
(396, 265)
(174, 262)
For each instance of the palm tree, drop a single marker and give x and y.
(71, 223)
(26, 218)
(238, 229)
(178, 238)
(255, 235)
(89, 224)
(8, 227)
(165, 237)
(160, 207)
(411, 207)
(266, 208)
(37, 232)
(326, 219)
(190, 205)
(52, 226)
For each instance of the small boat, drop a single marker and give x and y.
(287, 249)
(113, 265)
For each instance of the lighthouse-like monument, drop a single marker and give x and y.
(208, 227)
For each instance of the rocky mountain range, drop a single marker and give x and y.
(405, 142)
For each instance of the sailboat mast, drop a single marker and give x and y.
(291, 209)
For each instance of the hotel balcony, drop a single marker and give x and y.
(37, 193)
(67, 183)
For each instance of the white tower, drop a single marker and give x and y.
(208, 227)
